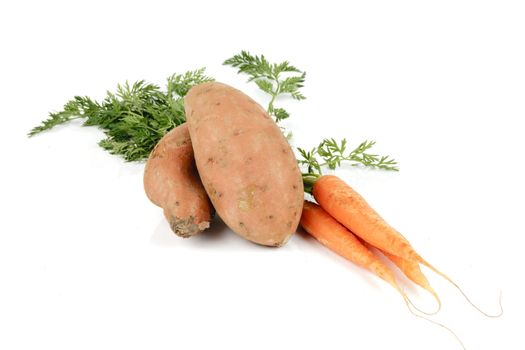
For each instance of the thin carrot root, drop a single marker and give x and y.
(412, 271)
(499, 314)
(407, 299)
(408, 303)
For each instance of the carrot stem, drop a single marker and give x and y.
(309, 181)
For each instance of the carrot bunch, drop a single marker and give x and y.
(345, 223)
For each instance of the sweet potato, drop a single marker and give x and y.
(245, 163)
(171, 182)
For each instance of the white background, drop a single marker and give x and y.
(87, 262)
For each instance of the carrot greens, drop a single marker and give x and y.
(333, 153)
(135, 117)
(270, 78)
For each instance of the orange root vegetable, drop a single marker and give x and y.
(318, 223)
(246, 164)
(171, 182)
(350, 209)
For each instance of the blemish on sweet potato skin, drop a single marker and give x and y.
(187, 227)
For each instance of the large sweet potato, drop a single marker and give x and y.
(171, 182)
(245, 163)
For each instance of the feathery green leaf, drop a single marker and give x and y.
(329, 153)
(269, 78)
(135, 117)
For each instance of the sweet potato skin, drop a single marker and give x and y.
(171, 182)
(245, 163)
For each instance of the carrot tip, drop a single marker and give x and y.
(408, 303)
(426, 312)
(499, 314)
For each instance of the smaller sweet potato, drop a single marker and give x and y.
(171, 181)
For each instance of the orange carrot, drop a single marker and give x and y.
(318, 223)
(350, 209)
